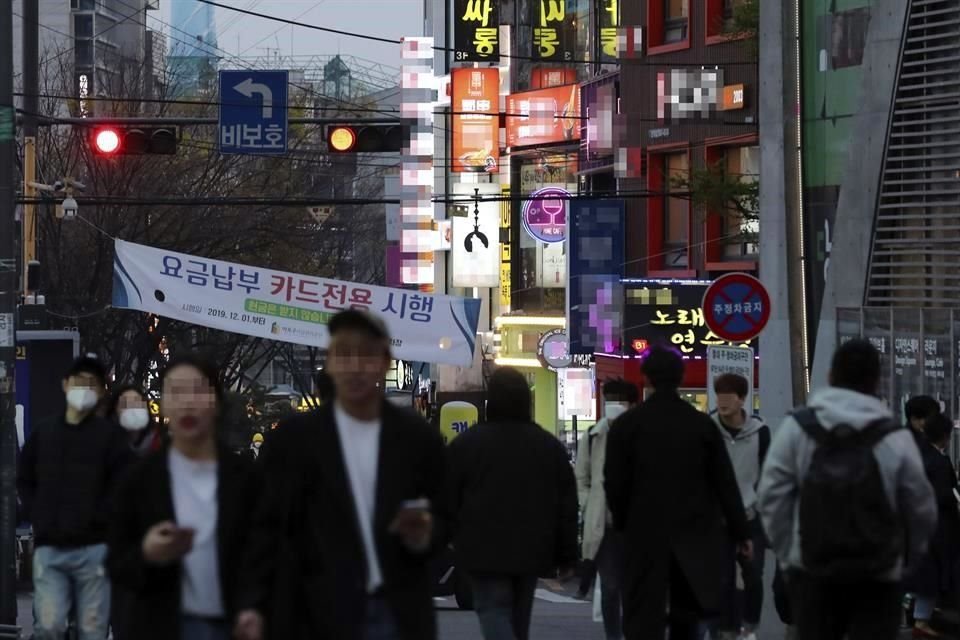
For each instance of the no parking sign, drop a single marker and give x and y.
(736, 307)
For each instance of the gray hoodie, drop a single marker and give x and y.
(747, 450)
(900, 463)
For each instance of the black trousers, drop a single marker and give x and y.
(825, 610)
(645, 609)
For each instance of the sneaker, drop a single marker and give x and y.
(748, 636)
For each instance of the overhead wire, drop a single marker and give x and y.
(372, 38)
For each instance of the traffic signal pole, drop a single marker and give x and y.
(8, 307)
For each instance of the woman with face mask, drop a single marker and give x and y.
(129, 408)
(182, 518)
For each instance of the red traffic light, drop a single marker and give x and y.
(107, 141)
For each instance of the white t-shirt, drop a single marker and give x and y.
(194, 488)
(360, 444)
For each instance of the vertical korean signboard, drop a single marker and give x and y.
(553, 33)
(477, 31)
(476, 121)
(609, 29)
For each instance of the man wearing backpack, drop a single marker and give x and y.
(845, 476)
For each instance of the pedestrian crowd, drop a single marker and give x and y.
(327, 527)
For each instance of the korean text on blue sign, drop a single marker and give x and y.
(253, 112)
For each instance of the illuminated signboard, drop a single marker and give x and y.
(553, 35)
(543, 116)
(609, 30)
(476, 120)
(477, 31)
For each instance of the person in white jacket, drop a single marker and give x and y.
(602, 544)
(824, 607)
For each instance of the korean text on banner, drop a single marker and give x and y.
(476, 120)
(736, 360)
(288, 307)
(476, 30)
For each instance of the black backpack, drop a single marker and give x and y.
(849, 531)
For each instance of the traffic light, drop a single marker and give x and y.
(365, 138)
(130, 140)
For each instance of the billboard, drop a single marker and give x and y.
(543, 116)
(595, 268)
(476, 120)
(476, 30)
(476, 239)
(554, 35)
(668, 312)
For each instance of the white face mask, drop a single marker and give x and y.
(614, 410)
(134, 419)
(256, 445)
(82, 399)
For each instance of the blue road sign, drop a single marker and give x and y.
(253, 112)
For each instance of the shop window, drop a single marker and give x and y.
(733, 230)
(676, 210)
(83, 26)
(848, 37)
(675, 21)
(668, 25)
(721, 24)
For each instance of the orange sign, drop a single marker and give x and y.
(546, 77)
(543, 116)
(732, 97)
(476, 120)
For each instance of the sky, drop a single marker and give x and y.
(250, 36)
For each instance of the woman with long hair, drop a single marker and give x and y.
(182, 517)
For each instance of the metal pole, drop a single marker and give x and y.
(8, 305)
(31, 90)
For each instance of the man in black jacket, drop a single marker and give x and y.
(68, 469)
(671, 488)
(513, 504)
(350, 494)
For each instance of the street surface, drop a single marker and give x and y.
(556, 616)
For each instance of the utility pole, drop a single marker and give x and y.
(8, 307)
(31, 107)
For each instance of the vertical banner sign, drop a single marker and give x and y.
(506, 270)
(418, 94)
(289, 307)
(609, 30)
(476, 31)
(476, 238)
(553, 35)
(738, 360)
(476, 120)
(595, 297)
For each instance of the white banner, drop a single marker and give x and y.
(738, 360)
(287, 306)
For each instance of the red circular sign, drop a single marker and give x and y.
(736, 307)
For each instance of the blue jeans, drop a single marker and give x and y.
(203, 629)
(66, 580)
(504, 605)
(379, 622)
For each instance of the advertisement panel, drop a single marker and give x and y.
(476, 120)
(554, 35)
(668, 312)
(609, 30)
(595, 268)
(476, 239)
(476, 31)
(543, 116)
(722, 360)
(288, 307)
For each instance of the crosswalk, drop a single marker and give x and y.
(540, 594)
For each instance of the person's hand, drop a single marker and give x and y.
(249, 626)
(166, 542)
(745, 550)
(414, 525)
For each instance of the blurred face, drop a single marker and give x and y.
(189, 403)
(918, 424)
(83, 391)
(130, 400)
(729, 405)
(358, 365)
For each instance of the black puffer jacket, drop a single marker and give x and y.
(66, 477)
